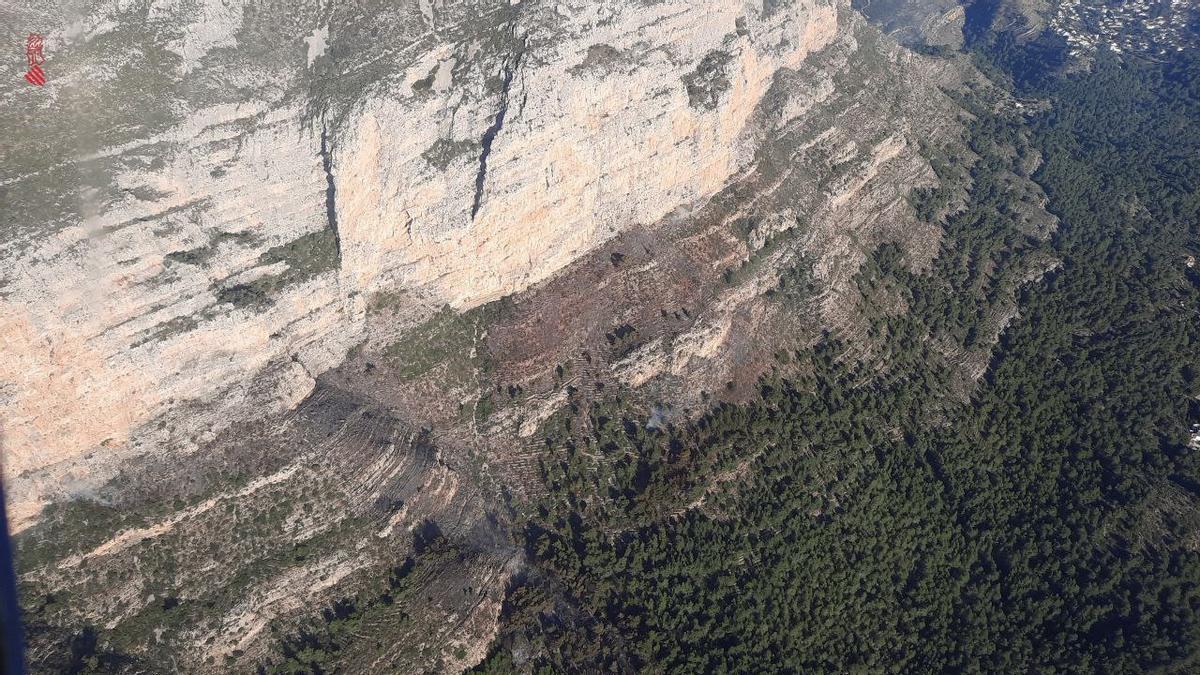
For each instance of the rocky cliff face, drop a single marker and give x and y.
(567, 126)
(489, 149)
(290, 287)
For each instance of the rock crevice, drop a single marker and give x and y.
(330, 191)
(489, 135)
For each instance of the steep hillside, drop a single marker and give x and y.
(876, 510)
(293, 290)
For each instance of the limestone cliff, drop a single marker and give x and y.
(289, 287)
(491, 146)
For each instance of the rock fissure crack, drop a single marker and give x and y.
(330, 192)
(489, 135)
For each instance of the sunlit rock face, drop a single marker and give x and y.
(604, 117)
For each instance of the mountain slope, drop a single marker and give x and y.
(295, 291)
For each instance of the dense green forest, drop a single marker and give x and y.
(869, 518)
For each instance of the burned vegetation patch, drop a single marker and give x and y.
(201, 255)
(708, 81)
(308, 256)
(444, 151)
(600, 58)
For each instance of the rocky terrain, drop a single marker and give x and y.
(290, 287)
